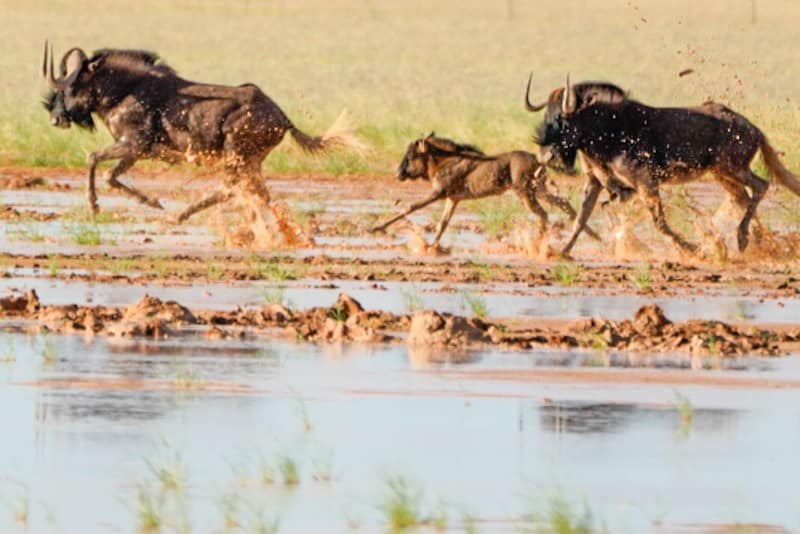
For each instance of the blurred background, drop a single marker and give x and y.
(402, 69)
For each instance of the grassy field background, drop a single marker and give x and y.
(405, 68)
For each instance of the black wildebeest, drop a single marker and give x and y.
(462, 172)
(626, 147)
(152, 113)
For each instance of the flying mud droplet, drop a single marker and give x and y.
(625, 245)
(254, 222)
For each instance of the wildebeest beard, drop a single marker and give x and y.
(60, 116)
(550, 133)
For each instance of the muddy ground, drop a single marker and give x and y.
(491, 253)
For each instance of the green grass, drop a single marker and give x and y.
(412, 298)
(498, 215)
(474, 303)
(392, 65)
(566, 273)
(401, 504)
(289, 470)
(685, 409)
(560, 517)
(274, 295)
(84, 233)
(640, 278)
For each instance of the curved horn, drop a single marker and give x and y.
(47, 67)
(44, 61)
(568, 98)
(66, 56)
(530, 107)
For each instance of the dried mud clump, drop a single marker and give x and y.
(23, 306)
(651, 331)
(151, 317)
(346, 320)
(431, 328)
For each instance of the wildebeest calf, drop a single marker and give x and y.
(461, 172)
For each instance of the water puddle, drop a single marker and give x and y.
(83, 424)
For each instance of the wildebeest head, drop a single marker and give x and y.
(425, 149)
(556, 136)
(414, 163)
(70, 99)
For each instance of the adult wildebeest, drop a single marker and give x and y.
(152, 113)
(462, 172)
(626, 147)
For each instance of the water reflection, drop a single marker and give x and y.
(610, 418)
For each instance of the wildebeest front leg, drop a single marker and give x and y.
(654, 205)
(528, 196)
(449, 209)
(122, 166)
(127, 156)
(590, 193)
(213, 199)
(411, 209)
(563, 205)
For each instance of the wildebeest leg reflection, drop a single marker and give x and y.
(127, 156)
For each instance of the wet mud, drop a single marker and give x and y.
(649, 331)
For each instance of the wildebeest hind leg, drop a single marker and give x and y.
(221, 195)
(122, 166)
(656, 209)
(747, 190)
(411, 209)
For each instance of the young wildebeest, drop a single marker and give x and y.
(625, 146)
(154, 114)
(462, 172)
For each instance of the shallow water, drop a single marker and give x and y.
(493, 450)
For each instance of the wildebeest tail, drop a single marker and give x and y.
(340, 134)
(776, 169)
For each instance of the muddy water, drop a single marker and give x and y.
(79, 432)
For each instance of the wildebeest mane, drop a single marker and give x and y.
(131, 60)
(450, 147)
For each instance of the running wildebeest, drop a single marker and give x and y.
(625, 146)
(152, 113)
(462, 172)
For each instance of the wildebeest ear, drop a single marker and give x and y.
(430, 135)
(95, 64)
(422, 146)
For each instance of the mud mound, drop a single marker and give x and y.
(649, 331)
(153, 309)
(431, 328)
(25, 305)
